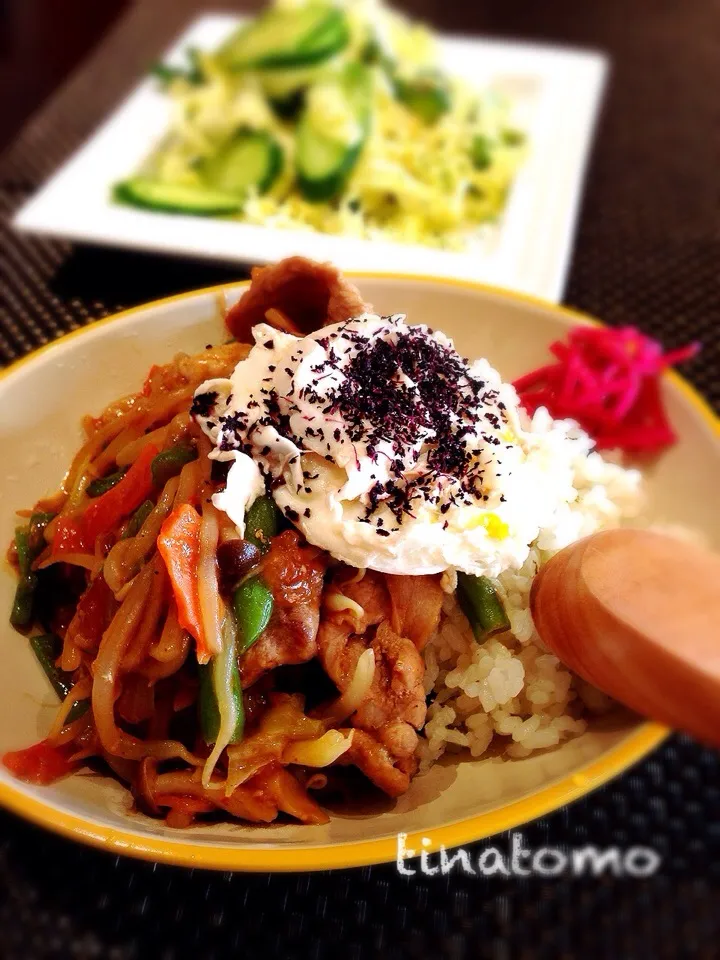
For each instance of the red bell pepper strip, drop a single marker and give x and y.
(93, 614)
(179, 546)
(106, 511)
(77, 533)
(42, 763)
(69, 536)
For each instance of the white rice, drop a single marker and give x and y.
(508, 695)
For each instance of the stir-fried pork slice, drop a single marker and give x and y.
(310, 294)
(294, 573)
(394, 707)
(376, 762)
(416, 605)
(340, 641)
(397, 692)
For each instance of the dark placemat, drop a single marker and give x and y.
(647, 253)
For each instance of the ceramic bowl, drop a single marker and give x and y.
(42, 400)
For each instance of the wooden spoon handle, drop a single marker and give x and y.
(637, 614)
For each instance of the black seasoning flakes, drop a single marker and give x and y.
(203, 404)
(406, 401)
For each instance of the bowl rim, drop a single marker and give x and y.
(208, 854)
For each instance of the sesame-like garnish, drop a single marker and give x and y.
(203, 404)
(398, 396)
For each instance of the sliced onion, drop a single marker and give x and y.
(357, 576)
(356, 692)
(321, 752)
(211, 609)
(337, 602)
(222, 666)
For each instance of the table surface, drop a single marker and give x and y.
(647, 253)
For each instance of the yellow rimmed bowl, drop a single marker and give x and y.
(42, 400)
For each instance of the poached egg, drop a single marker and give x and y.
(383, 446)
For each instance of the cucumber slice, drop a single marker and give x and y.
(289, 106)
(324, 164)
(427, 95)
(250, 159)
(280, 84)
(287, 37)
(175, 198)
(193, 73)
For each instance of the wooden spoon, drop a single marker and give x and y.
(637, 614)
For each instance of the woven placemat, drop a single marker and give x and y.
(647, 253)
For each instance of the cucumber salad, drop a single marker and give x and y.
(336, 117)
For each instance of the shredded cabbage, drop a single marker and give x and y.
(415, 182)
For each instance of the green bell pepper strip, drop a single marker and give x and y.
(46, 648)
(29, 543)
(253, 600)
(261, 522)
(222, 713)
(481, 605)
(38, 522)
(168, 463)
(102, 484)
(22, 607)
(134, 524)
(253, 605)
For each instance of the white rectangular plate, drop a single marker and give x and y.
(556, 93)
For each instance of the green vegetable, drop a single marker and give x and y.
(481, 605)
(261, 522)
(220, 695)
(134, 524)
(288, 106)
(513, 138)
(253, 604)
(481, 152)
(323, 163)
(97, 487)
(175, 197)
(29, 544)
(287, 37)
(169, 463)
(249, 159)
(47, 648)
(193, 73)
(22, 607)
(373, 52)
(427, 95)
(38, 522)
